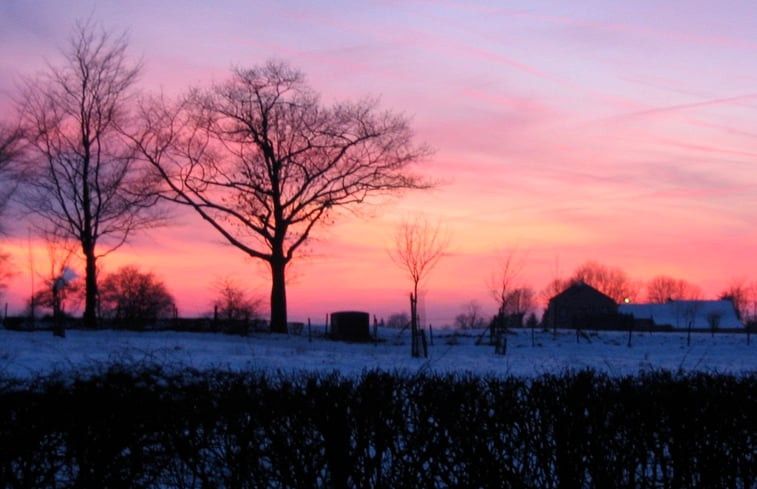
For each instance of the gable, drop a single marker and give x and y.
(583, 293)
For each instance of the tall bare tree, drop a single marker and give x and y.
(5, 271)
(264, 162)
(11, 145)
(82, 174)
(11, 149)
(663, 288)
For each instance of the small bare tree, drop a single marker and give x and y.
(82, 177)
(507, 288)
(398, 320)
(232, 302)
(471, 317)
(264, 162)
(419, 244)
(418, 247)
(62, 289)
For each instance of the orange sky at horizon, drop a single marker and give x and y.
(623, 134)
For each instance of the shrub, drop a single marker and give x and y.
(134, 299)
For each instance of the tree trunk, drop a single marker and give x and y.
(278, 295)
(90, 284)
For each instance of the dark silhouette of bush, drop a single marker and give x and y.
(134, 299)
(142, 426)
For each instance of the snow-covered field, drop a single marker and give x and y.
(24, 354)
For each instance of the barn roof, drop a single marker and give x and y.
(678, 314)
(581, 289)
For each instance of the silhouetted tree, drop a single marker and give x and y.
(135, 299)
(506, 278)
(264, 162)
(5, 271)
(663, 288)
(11, 148)
(471, 317)
(744, 298)
(611, 281)
(232, 302)
(553, 288)
(82, 178)
(398, 320)
(507, 289)
(518, 301)
(418, 247)
(62, 285)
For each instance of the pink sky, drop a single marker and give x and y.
(621, 132)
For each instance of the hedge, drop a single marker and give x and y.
(142, 426)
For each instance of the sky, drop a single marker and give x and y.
(620, 132)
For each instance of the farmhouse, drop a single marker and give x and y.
(699, 314)
(580, 306)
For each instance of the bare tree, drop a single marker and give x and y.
(663, 288)
(233, 302)
(611, 281)
(744, 297)
(264, 162)
(398, 320)
(553, 288)
(471, 317)
(507, 288)
(82, 174)
(518, 301)
(11, 149)
(134, 299)
(61, 280)
(418, 247)
(5, 271)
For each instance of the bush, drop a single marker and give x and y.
(140, 426)
(134, 299)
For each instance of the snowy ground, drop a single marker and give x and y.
(25, 354)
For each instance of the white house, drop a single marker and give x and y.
(678, 314)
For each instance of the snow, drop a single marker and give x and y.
(25, 354)
(680, 313)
